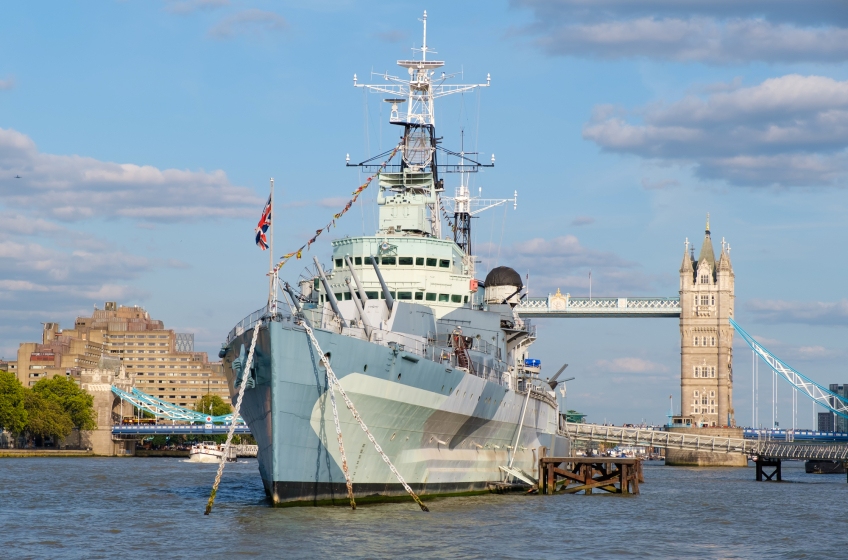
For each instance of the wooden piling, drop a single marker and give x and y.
(585, 474)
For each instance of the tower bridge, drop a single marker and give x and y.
(704, 306)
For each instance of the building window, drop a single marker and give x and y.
(712, 300)
(697, 394)
(712, 341)
(712, 394)
(697, 340)
(712, 372)
(697, 371)
(705, 300)
(431, 262)
(705, 279)
(419, 261)
(443, 263)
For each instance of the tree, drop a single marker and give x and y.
(212, 403)
(13, 414)
(78, 404)
(45, 418)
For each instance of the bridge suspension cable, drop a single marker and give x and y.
(803, 384)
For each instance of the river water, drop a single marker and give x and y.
(153, 508)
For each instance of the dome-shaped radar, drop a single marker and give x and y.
(503, 276)
(503, 285)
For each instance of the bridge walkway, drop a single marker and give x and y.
(714, 444)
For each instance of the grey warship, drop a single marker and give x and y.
(435, 361)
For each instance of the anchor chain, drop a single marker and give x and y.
(231, 431)
(335, 382)
(348, 481)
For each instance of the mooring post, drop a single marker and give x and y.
(622, 477)
(543, 452)
(551, 476)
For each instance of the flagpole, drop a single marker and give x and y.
(272, 303)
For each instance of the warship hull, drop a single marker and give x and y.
(446, 431)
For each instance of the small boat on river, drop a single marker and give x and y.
(210, 452)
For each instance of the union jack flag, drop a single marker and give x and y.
(262, 227)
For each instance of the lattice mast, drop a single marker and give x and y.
(420, 145)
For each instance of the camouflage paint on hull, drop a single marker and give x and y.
(446, 431)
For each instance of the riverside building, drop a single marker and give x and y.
(161, 362)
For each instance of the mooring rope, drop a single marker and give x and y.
(231, 431)
(335, 382)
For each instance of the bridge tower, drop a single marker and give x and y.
(706, 343)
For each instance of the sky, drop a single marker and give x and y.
(144, 134)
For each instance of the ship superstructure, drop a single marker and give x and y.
(434, 360)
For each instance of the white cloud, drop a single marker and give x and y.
(8, 83)
(712, 32)
(786, 131)
(789, 353)
(563, 263)
(72, 188)
(659, 184)
(583, 221)
(249, 22)
(803, 312)
(183, 7)
(630, 365)
(333, 202)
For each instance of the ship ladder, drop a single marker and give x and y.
(335, 383)
(231, 431)
(463, 358)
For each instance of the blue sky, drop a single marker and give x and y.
(145, 133)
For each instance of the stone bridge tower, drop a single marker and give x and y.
(706, 343)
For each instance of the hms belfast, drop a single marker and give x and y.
(434, 361)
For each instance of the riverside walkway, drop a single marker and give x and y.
(755, 448)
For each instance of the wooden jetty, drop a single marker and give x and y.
(570, 475)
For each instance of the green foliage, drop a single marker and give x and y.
(64, 392)
(13, 414)
(45, 418)
(214, 403)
